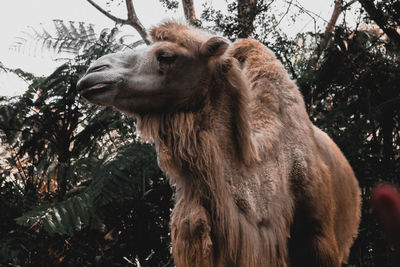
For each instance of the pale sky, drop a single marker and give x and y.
(16, 16)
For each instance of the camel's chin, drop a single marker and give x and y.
(100, 94)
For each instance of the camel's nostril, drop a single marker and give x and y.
(97, 68)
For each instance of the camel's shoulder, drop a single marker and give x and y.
(273, 95)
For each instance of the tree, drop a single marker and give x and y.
(115, 206)
(348, 77)
(76, 163)
(132, 19)
(190, 14)
(387, 21)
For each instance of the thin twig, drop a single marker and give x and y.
(131, 20)
(311, 14)
(107, 14)
(286, 12)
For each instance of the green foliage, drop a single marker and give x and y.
(67, 38)
(69, 164)
(123, 174)
(78, 189)
(170, 4)
(349, 79)
(63, 217)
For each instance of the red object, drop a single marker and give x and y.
(386, 202)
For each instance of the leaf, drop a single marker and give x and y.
(68, 39)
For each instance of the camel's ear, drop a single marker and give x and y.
(214, 47)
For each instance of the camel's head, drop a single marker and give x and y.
(171, 74)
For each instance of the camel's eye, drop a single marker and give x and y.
(166, 58)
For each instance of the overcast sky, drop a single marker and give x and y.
(17, 16)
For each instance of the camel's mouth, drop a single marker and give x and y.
(94, 90)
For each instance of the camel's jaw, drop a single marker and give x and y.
(100, 93)
(95, 90)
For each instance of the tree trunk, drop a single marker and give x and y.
(190, 14)
(335, 15)
(247, 11)
(325, 42)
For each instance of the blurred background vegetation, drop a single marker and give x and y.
(77, 186)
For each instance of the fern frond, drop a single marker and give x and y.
(68, 38)
(121, 175)
(63, 217)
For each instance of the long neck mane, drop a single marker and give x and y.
(190, 152)
(192, 159)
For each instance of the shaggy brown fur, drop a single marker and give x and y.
(256, 183)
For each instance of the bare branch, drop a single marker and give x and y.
(190, 14)
(135, 23)
(2, 67)
(349, 4)
(107, 14)
(330, 27)
(337, 10)
(284, 15)
(132, 19)
(308, 12)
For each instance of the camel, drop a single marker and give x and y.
(256, 183)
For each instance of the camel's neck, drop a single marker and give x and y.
(190, 151)
(188, 147)
(197, 144)
(195, 147)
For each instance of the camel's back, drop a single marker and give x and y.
(346, 191)
(281, 125)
